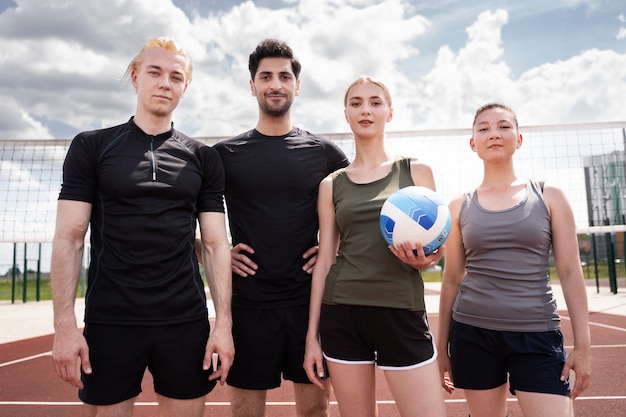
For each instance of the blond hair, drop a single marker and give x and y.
(365, 80)
(167, 44)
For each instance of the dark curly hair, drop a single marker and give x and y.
(272, 48)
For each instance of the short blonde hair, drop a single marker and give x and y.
(365, 80)
(167, 44)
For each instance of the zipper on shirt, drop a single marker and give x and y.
(152, 160)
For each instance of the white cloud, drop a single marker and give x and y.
(462, 81)
(589, 86)
(621, 33)
(335, 45)
(62, 65)
(15, 123)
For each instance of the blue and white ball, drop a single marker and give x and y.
(417, 215)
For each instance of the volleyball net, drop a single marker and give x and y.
(586, 160)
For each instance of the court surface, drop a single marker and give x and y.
(30, 388)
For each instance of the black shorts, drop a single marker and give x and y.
(392, 338)
(484, 359)
(119, 356)
(269, 344)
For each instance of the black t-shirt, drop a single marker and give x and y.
(146, 192)
(272, 184)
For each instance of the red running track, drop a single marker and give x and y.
(29, 386)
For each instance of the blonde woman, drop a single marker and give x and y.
(367, 300)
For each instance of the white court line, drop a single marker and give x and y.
(25, 359)
(40, 355)
(607, 346)
(274, 403)
(606, 326)
(600, 346)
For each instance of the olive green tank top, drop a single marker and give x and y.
(366, 273)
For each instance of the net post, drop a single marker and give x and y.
(38, 289)
(610, 256)
(25, 275)
(14, 273)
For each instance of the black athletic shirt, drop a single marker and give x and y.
(146, 192)
(272, 184)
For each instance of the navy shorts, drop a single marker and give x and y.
(485, 359)
(119, 356)
(269, 345)
(392, 338)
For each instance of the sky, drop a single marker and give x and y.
(555, 62)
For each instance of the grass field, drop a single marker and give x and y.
(6, 287)
(7, 291)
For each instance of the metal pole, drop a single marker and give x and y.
(595, 261)
(14, 273)
(624, 179)
(38, 297)
(591, 222)
(25, 275)
(610, 260)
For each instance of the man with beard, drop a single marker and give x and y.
(272, 178)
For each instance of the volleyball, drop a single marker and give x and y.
(417, 215)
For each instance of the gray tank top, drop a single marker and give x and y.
(506, 286)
